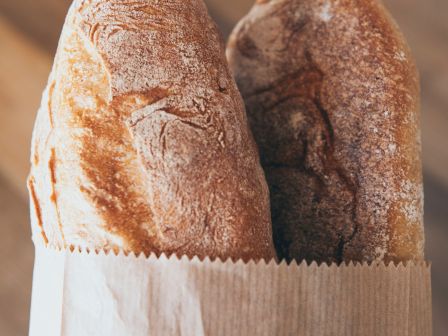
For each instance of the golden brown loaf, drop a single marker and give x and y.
(142, 142)
(332, 96)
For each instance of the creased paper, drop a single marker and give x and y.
(77, 293)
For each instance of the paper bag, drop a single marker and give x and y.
(80, 293)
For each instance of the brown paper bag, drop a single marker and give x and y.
(77, 293)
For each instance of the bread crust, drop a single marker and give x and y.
(332, 95)
(142, 142)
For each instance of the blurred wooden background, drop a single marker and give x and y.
(29, 31)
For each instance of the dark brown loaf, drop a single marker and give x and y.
(332, 96)
(142, 142)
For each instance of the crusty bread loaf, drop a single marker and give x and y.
(332, 96)
(142, 142)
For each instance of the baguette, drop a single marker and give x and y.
(142, 142)
(332, 96)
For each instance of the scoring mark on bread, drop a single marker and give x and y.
(54, 196)
(157, 125)
(50, 101)
(37, 208)
(36, 158)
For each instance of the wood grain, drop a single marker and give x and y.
(228, 12)
(24, 70)
(41, 21)
(16, 260)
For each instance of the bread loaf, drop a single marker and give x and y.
(332, 96)
(142, 142)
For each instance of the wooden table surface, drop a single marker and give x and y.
(29, 31)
